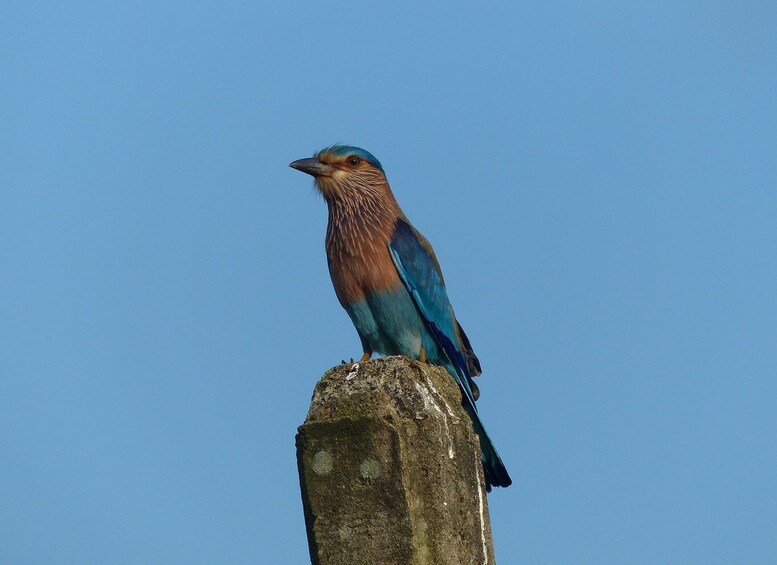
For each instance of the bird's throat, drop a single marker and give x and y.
(360, 223)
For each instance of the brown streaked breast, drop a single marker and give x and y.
(360, 264)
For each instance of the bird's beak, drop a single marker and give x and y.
(312, 167)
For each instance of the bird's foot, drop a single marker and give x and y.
(365, 357)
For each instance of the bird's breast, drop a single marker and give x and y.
(360, 270)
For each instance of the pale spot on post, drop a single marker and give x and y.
(369, 469)
(344, 532)
(322, 463)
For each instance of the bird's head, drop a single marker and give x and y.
(342, 170)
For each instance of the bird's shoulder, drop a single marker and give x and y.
(404, 230)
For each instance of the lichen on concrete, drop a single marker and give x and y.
(390, 468)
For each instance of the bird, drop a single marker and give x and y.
(387, 278)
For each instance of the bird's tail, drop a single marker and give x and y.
(493, 468)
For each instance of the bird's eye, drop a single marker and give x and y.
(353, 160)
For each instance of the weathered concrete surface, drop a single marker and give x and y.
(390, 469)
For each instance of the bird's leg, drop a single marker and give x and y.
(366, 356)
(422, 355)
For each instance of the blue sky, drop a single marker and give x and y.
(599, 184)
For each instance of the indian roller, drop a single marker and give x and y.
(387, 278)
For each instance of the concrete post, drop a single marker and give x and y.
(390, 469)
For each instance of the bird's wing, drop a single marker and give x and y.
(428, 248)
(462, 341)
(423, 280)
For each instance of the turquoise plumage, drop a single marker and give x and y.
(389, 281)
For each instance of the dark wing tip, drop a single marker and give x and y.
(473, 363)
